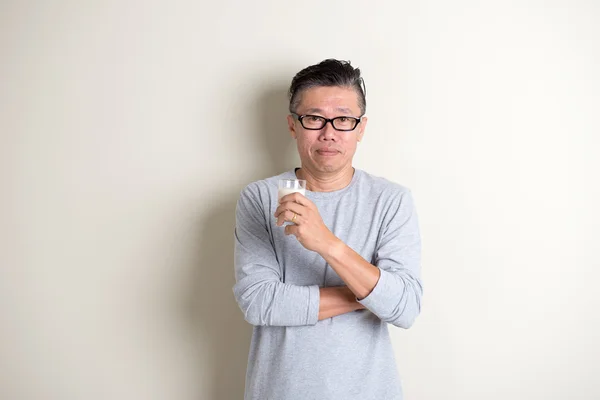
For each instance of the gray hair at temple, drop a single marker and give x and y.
(329, 72)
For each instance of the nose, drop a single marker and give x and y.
(328, 132)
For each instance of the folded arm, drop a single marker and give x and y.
(392, 288)
(260, 291)
(337, 301)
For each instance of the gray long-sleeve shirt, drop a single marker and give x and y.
(293, 356)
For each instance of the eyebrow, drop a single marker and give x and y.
(320, 111)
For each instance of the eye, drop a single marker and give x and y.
(313, 118)
(343, 119)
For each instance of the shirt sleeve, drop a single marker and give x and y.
(260, 291)
(396, 298)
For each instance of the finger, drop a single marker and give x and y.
(289, 216)
(297, 198)
(290, 206)
(291, 230)
(285, 216)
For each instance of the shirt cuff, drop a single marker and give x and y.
(381, 299)
(314, 299)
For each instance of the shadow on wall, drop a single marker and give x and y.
(217, 319)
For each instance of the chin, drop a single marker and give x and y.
(329, 168)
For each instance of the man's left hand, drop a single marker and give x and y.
(309, 228)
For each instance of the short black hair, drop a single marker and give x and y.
(329, 72)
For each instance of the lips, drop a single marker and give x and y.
(327, 152)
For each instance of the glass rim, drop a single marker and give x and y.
(291, 180)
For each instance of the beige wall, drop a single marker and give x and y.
(128, 129)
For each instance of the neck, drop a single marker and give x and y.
(318, 182)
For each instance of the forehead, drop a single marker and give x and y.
(329, 99)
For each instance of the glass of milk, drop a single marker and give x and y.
(287, 186)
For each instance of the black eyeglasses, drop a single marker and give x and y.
(316, 122)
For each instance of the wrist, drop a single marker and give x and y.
(353, 300)
(334, 249)
(349, 298)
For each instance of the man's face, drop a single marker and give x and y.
(327, 150)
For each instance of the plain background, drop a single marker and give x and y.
(128, 129)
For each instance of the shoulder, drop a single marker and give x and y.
(396, 200)
(381, 187)
(263, 190)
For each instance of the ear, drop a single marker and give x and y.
(361, 128)
(292, 125)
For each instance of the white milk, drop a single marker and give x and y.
(285, 192)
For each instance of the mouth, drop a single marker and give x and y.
(327, 152)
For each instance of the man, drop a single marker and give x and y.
(321, 276)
